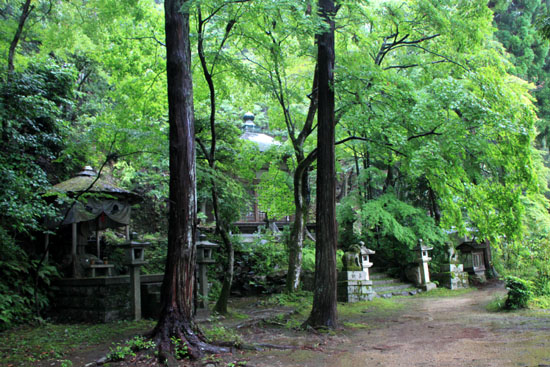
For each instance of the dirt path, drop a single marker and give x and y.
(438, 332)
(411, 331)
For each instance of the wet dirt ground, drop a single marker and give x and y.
(420, 331)
(428, 332)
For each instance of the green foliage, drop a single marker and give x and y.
(181, 349)
(275, 193)
(25, 345)
(265, 258)
(18, 300)
(218, 333)
(519, 293)
(120, 353)
(496, 304)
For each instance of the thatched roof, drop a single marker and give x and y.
(84, 179)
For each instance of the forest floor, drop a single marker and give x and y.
(437, 329)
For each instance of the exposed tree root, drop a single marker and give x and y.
(174, 336)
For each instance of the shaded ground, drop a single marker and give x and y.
(456, 331)
(409, 331)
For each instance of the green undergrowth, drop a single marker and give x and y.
(381, 305)
(217, 332)
(497, 304)
(300, 301)
(542, 302)
(28, 344)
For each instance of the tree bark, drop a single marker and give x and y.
(176, 315)
(27, 9)
(301, 193)
(221, 225)
(323, 313)
(298, 233)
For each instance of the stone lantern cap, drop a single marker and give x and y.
(422, 248)
(135, 252)
(367, 251)
(205, 247)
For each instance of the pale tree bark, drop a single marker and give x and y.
(176, 314)
(324, 313)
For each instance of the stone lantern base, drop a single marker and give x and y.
(428, 286)
(353, 286)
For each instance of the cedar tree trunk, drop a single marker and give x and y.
(323, 313)
(176, 320)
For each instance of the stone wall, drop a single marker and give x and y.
(102, 299)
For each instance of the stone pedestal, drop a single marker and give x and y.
(423, 260)
(135, 290)
(354, 286)
(452, 276)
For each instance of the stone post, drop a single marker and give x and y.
(135, 252)
(135, 290)
(423, 261)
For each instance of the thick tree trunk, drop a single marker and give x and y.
(323, 313)
(176, 320)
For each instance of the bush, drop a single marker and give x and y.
(519, 293)
(17, 294)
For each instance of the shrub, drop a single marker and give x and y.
(519, 293)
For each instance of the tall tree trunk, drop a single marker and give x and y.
(301, 192)
(176, 314)
(221, 225)
(221, 303)
(323, 313)
(26, 11)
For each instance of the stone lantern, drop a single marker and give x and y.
(135, 258)
(423, 261)
(204, 257)
(365, 263)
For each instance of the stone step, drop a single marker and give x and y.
(403, 292)
(396, 287)
(374, 276)
(382, 281)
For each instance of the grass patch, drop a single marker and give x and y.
(541, 303)
(297, 300)
(28, 344)
(356, 325)
(496, 304)
(445, 292)
(221, 333)
(378, 304)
